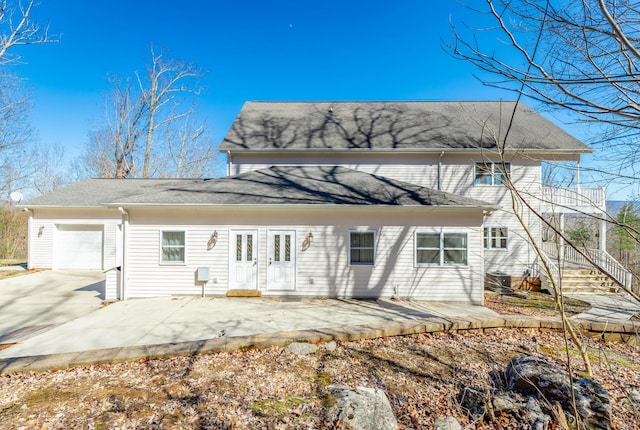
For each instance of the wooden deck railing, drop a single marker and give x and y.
(575, 197)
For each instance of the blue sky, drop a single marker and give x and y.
(250, 50)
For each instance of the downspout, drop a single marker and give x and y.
(123, 267)
(578, 177)
(229, 163)
(29, 237)
(440, 171)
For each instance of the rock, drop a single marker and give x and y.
(633, 400)
(301, 348)
(448, 423)
(361, 408)
(330, 346)
(503, 402)
(534, 377)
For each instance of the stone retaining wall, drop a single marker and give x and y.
(627, 332)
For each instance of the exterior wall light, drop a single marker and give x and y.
(212, 240)
(310, 237)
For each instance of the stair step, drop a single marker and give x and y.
(587, 281)
(244, 293)
(571, 289)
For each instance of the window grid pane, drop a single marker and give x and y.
(239, 247)
(495, 237)
(173, 244)
(483, 174)
(276, 247)
(443, 249)
(428, 248)
(287, 247)
(249, 247)
(362, 249)
(489, 173)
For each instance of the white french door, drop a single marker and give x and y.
(243, 260)
(281, 260)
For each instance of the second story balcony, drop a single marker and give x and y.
(586, 200)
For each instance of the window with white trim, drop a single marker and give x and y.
(490, 173)
(172, 244)
(495, 237)
(362, 248)
(440, 249)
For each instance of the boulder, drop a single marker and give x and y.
(361, 408)
(330, 346)
(534, 377)
(301, 348)
(448, 423)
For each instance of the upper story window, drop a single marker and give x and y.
(490, 173)
(495, 238)
(173, 246)
(441, 249)
(361, 248)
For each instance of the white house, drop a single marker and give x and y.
(331, 199)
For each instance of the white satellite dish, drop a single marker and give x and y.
(16, 196)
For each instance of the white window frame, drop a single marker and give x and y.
(488, 238)
(441, 236)
(496, 169)
(184, 247)
(373, 263)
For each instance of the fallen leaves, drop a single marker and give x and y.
(421, 375)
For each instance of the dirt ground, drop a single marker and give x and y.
(421, 374)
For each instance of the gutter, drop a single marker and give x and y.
(408, 151)
(123, 268)
(487, 206)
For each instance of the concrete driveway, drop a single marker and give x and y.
(36, 302)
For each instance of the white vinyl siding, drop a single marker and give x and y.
(457, 175)
(322, 265)
(43, 229)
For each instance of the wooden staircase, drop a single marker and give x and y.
(580, 280)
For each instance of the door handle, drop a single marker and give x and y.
(269, 261)
(255, 261)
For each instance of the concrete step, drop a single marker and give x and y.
(244, 293)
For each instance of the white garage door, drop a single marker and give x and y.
(78, 246)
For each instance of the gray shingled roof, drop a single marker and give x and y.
(307, 185)
(300, 185)
(384, 126)
(95, 192)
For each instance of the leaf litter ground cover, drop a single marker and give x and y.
(268, 388)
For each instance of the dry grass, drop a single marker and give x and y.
(531, 303)
(5, 274)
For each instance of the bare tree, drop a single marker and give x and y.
(149, 128)
(582, 56)
(16, 29)
(165, 80)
